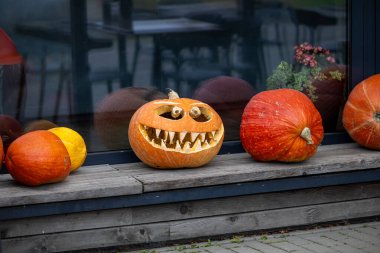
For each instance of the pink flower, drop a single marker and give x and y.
(306, 54)
(308, 47)
(330, 59)
(313, 63)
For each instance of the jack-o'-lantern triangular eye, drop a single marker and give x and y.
(200, 114)
(170, 112)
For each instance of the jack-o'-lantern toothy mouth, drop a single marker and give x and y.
(183, 142)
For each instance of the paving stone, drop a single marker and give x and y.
(375, 223)
(368, 230)
(290, 247)
(315, 247)
(371, 239)
(344, 248)
(193, 251)
(245, 249)
(354, 243)
(218, 249)
(227, 244)
(298, 240)
(333, 244)
(320, 239)
(266, 248)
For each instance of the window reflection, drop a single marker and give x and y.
(90, 64)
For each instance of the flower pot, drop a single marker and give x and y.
(330, 100)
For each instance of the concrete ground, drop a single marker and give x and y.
(354, 238)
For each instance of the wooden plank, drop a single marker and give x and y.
(193, 228)
(93, 169)
(186, 210)
(71, 189)
(87, 239)
(251, 203)
(87, 172)
(252, 221)
(66, 222)
(5, 177)
(242, 168)
(83, 173)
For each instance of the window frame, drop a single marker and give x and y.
(363, 55)
(363, 41)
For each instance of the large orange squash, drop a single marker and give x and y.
(38, 157)
(281, 125)
(361, 114)
(175, 133)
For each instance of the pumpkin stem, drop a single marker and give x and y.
(172, 94)
(306, 134)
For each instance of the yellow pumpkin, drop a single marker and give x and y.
(175, 133)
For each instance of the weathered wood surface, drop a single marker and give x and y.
(252, 221)
(96, 238)
(236, 168)
(192, 228)
(186, 210)
(89, 182)
(135, 178)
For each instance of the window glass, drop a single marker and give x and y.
(89, 65)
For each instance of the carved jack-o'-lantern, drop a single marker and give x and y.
(175, 133)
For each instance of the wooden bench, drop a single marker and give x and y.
(125, 204)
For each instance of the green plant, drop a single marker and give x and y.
(308, 68)
(180, 248)
(208, 244)
(236, 239)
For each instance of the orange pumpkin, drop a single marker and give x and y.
(281, 125)
(38, 157)
(361, 114)
(175, 133)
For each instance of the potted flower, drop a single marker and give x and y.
(316, 74)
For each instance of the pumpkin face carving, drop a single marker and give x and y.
(175, 133)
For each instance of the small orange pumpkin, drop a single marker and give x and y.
(281, 125)
(361, 113)
(175, 133)
(38, 157)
